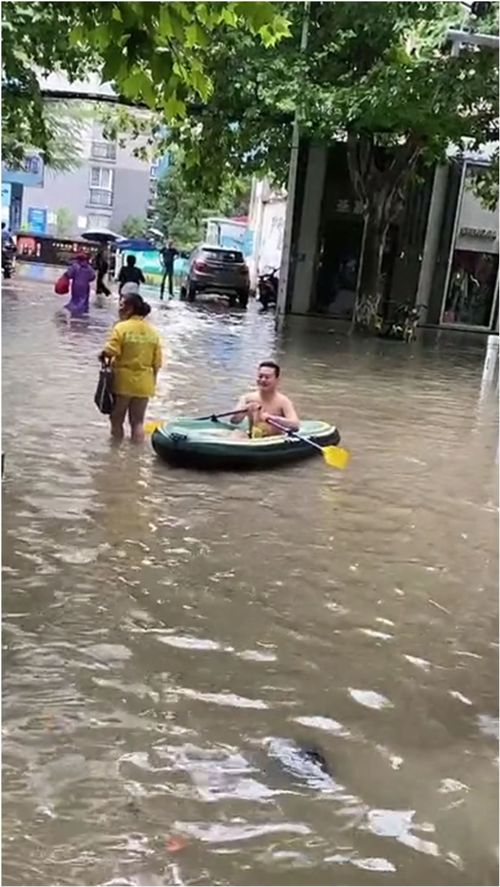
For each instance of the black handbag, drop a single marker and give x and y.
(104, 398)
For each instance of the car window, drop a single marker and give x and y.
(229, 257)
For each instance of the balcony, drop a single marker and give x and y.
(100, 197)
(103, 151)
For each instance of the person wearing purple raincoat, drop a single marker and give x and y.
(81, 274)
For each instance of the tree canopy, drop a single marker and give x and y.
(153, 53)
(381, 72)
(181, 210)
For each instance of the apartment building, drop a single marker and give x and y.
(109, 185)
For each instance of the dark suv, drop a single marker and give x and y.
(215, 269)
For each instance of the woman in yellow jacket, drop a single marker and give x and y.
(134, 348)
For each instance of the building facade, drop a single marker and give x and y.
(109, 185)
(266, 221)
(441, 251)
(460, 289)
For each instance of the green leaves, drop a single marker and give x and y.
(156, 53)
(174, 107)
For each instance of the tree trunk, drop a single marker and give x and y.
(369, 289)
(380, 191)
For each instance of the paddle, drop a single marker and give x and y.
(335, 457)
(153, 424)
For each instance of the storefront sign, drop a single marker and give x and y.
(37, 220)
(485, 233)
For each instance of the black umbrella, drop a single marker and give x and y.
(101, 235)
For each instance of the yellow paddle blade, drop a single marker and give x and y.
(336, 457)
(152, 425)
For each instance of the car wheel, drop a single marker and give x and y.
(191, 294)
(243, 298)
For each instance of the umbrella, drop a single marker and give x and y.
(156, 233)
(135, 243)
(101, 235)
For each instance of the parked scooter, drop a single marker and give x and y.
(8, 261)
(267, 287)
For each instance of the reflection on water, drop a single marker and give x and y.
(173, 639)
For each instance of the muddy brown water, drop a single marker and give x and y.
(164, 629)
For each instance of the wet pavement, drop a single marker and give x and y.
(172, 640)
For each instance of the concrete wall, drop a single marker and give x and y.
(306, 251)
(266, 221)
(131, 193)
(273, 226)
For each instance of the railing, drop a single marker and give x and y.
(100, 197)
(103, 151)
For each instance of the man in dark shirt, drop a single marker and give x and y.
(101, 266)
(168, 255)
(130, 277)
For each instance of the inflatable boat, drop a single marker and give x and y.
(209, 444)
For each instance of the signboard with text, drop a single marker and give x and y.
(37, 220)
(29, 173)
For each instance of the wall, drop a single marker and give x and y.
(131, 193)
(266, 223)
(307, 242)
(60, 190)
(272, 230)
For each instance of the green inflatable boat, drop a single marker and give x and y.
(212, 444)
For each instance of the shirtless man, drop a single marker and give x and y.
(266, 403)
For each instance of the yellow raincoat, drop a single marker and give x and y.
(135, 348)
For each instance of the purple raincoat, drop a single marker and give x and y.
(81, 274)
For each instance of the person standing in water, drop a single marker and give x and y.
(80, 274)
(130, 278)
(168, 255)
(134, 349)
(101, 266)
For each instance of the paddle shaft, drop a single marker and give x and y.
(215, 416)
(307, 440)
(152, 425)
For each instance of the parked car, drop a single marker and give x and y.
(215, 269)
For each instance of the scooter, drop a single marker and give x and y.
(8, 260)
(267, 287)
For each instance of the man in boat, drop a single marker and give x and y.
(266, 404)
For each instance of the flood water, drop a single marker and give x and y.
(167, 635)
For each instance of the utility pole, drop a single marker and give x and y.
(291, 189)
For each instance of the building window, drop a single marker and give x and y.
(472, 283)
(471, 290)
(103, 151)
(98, 197)
(101, 186)
(101, 177)
(96, 222)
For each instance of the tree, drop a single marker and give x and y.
(152, 52)
(65, 221)
(134, 226)
(181, 209)
(383, 82)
